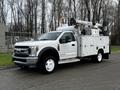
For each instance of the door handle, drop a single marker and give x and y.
(73, 44)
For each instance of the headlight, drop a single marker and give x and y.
(33, 50)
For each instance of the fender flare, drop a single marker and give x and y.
(46, 49)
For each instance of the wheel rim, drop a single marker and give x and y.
(99, 57)
(50, 65)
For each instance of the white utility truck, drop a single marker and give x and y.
(65, 45)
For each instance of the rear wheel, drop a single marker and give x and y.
(99, 57)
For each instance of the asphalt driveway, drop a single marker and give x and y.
(76, 76)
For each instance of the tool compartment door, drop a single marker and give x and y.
(88, 46)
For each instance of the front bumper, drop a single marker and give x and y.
(25, 61)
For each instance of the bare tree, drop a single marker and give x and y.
(3, 12)
(25, 16)
(118, 25)
(43, 17)
(87, 2)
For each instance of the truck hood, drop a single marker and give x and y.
(34, 43)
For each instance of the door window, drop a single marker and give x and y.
(67, 37)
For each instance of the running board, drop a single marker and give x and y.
(68, 61)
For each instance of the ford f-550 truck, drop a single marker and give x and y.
(65, 45)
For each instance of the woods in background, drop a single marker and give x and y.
(39, 16)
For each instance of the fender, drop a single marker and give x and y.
(46, 49)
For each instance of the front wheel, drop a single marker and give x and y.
(48, 64)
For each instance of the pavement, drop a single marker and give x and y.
(7, 67)
(84, 75)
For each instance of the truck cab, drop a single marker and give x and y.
(57, 44)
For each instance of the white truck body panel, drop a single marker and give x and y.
(91, 44)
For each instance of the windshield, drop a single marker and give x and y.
(49, 36)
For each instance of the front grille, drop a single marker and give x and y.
(21, 55)
(22, 51)
(21, 46)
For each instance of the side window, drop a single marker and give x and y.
(72, 37)
(67, 37)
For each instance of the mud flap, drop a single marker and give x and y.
(106, 56)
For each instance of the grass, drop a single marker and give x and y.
(115, 49)
(5, 60)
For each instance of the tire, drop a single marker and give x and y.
(48, 65)
(99, 57)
